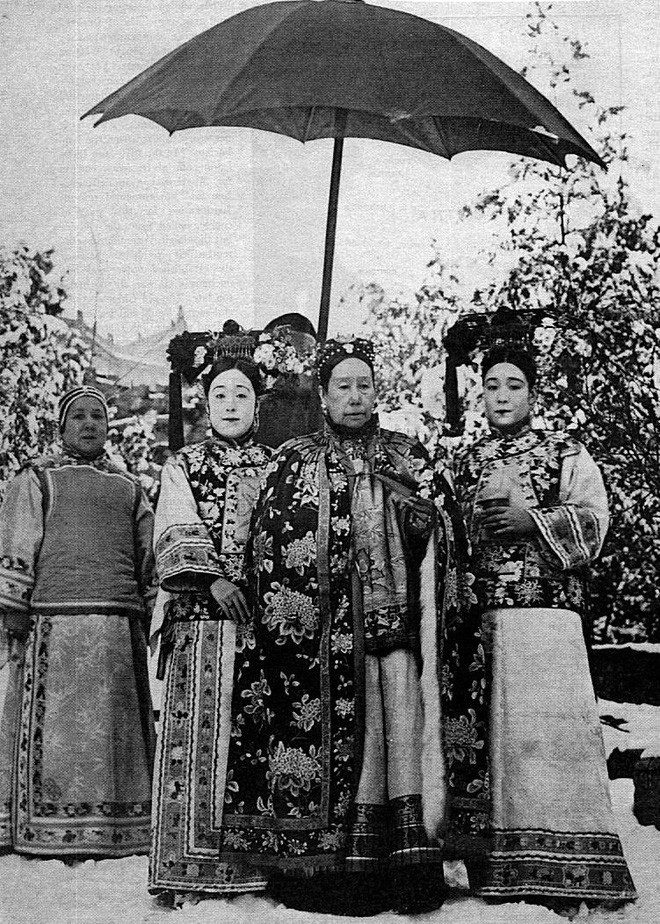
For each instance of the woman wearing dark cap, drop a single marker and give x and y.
(76, 590)
(207, 493)
(342, 786)
(537, 513)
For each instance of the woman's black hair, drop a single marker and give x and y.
(510, 353)
(224, 363)
(293, 319)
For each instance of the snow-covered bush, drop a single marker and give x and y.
(39, 356)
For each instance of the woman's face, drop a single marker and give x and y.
(350, 396)
(231, 401)
(507, 395)
(85, 428)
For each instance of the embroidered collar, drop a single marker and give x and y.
(498, 444)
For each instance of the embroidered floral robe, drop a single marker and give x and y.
(76, 743)
(321, 610)
(207, 494)
(554, 832)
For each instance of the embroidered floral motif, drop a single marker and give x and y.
(342, 643)
(309, 712)
(300, 553)
(344, 707)
(463, 736)
(256, 705)
(290, 613)
(293, 770)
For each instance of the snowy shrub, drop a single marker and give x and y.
(39, 356)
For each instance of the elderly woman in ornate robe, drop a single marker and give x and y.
(76, 590)
(359, 646)
(207, 493)
(537, 512)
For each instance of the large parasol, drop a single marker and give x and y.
(347, 69)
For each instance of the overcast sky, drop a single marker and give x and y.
(230, 222)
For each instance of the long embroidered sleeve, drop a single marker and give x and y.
(574, 530)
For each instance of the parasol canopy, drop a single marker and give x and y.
(340, 69)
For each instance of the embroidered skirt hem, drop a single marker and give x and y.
(553, 828)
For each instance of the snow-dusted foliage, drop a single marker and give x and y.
(410, 356)
(134, 445)
(39, 356)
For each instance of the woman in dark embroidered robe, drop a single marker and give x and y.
(207, 493)
(360, 645)
(537, 512)
(76, 590)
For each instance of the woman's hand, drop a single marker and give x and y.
(230, 601)
(510, 522)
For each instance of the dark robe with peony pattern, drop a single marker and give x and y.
(359, 700)
(554, 832)
(77, 735)
(207, 494)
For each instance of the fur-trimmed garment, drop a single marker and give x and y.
(553, 829)
(351, 669)
(77, 735)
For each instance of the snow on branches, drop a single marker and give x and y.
(39, 356)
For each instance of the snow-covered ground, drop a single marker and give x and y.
(34, 891)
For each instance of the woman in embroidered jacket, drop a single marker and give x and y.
(76, 589)
(536, 508)
(354, 577)
(207, 493)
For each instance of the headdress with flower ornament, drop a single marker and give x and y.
(198, 357)
(276, 354)
(335, 351)
(192, 355)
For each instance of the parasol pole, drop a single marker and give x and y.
(331, 224)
